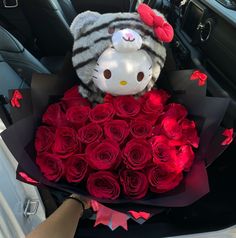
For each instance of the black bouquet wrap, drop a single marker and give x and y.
(207, 112)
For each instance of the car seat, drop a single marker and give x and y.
(50, 20)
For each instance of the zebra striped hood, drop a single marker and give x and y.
(92, 34)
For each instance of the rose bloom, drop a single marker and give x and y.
(163, 178)
(190, 134)
(151, 118)
(140, 128)
(51, 166)
(54, 116)
(90, 133)
(137, 153)
(76, 168)
(171, 128)
(66, 142)
(103, 155)
(44, 139)
(73, 98)
(103, 184)
(135, 184)
(185, 157)
(153, 101)
(175, 110)
(102, 113)
(116, 130)
(162, 151)
(77, 115)
(126, 106)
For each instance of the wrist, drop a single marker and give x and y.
(75, 199)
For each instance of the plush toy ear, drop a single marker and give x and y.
(82, 21)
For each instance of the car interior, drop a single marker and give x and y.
(35, 37)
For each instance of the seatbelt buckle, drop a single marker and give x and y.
(10, 3)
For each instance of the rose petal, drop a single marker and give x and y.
(228, 133)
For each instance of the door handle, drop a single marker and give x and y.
(31, 207)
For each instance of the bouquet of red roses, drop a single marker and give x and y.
(124, 146)
(129, 153)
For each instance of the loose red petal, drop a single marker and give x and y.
(16, 96)
(201, 77)
(228, 133)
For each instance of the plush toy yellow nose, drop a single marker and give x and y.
(123, 83)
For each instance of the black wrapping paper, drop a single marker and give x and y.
(208, 112)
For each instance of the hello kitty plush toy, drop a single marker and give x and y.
(119, 53)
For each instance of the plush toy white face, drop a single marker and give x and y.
(124, 69)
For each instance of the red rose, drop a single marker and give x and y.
(137, 154)
(176, 110)
(116, 130)
(163, 178)
(135, 184)
(73, 98)
(151, 118)
(54, 116)
(163, 152)
(185, 157)
(66, 142)
(44, 139)
(77, 115)
(171, 128)
(102, 113)
(126, 106)
(103, 184)
(51, 166)
(140, 128)
(190, 134)
(76, 168)
(108, 98)
(153, 101)
(103, 155)
(90, 133)
(157, 130)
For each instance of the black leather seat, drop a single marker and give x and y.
(20, 59)
(16, 67)
(50, 20)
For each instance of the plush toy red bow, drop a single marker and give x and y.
(163, 30)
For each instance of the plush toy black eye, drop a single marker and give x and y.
(111, 29)
(140, 76)
(107, 74)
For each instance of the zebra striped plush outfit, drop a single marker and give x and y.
(92, 35)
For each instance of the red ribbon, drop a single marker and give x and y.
(162, 29)
(138, 215)
(228, 133)
(114, 219)
(15, 99)
(108, 216)
(201, 77)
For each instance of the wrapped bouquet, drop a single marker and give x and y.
(113, 137)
